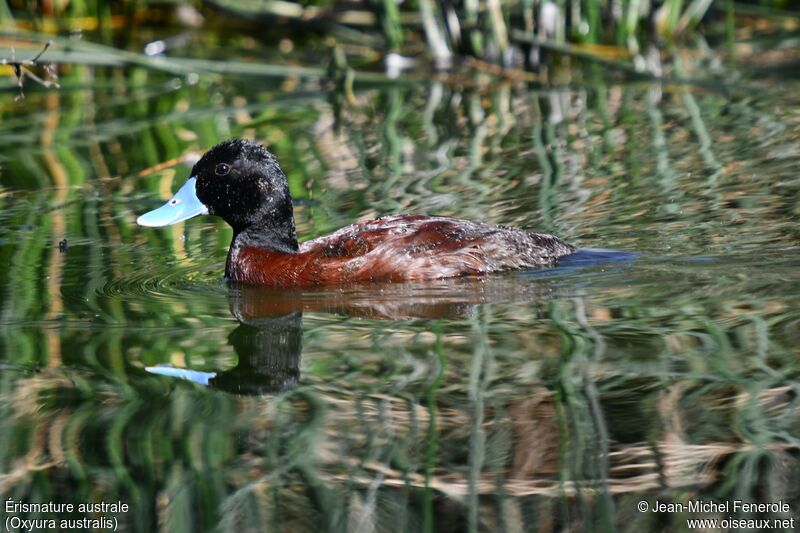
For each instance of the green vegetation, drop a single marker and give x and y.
(551, 400)
(566, 407)
(515, 35)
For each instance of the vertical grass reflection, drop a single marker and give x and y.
(558, 405)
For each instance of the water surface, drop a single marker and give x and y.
(544, 400)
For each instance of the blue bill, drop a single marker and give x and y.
(182, 206)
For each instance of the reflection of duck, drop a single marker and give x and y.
(269, 358)
(269, 338)
(242, 182)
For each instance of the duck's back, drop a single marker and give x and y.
(399, 248)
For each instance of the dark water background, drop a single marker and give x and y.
(535, 401)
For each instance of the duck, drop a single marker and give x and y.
(242, 182)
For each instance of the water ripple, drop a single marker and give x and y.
(181, 281)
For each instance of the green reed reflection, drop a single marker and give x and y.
(543, 400)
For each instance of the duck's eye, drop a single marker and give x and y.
(222, 169)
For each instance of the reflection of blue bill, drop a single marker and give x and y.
(189, 375)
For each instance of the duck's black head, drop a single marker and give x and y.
(242, 182)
